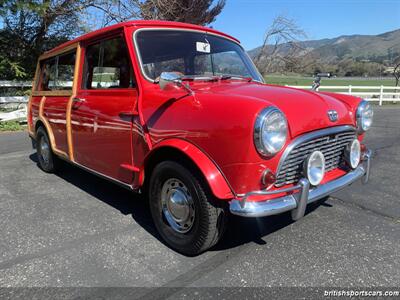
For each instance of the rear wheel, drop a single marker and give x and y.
(46, 158)
(184, 211)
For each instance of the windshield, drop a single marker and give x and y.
(192, 54)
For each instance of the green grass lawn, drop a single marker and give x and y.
(294, 80)
(11, 126)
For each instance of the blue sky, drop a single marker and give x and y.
(247, 20)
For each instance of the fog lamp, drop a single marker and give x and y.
(353, 153)
(314, 167)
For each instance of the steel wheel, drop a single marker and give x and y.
(177, 205)
(44, 151)
(46, 159)
(184, 211)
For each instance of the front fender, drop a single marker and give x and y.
(215, 178)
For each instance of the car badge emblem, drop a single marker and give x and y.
(333, 115)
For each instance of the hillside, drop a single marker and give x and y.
(375, 48)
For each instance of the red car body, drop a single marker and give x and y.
(120, 133)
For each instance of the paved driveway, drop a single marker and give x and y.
(74, 229)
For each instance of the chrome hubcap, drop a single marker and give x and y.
(177, 205)
(44, 150)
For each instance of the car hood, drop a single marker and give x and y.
(304, 110)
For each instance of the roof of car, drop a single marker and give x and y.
(140, 24)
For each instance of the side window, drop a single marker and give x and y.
(47, 74)
(57, 73)
(107, 65)
(65, 71)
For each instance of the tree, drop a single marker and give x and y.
(280, 45)
(32, 27)
(200, 12)
(114, 11)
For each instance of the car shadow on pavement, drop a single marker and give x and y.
(122, 199)
(243, 230)
(239, 231)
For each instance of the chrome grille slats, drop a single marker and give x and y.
(328, 154)
(324, 151)
(331, 145)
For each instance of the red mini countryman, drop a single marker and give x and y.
(180, 112)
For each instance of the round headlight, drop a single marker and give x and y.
(364, 116)
(353, 153)
(314, 167)
(270, 131)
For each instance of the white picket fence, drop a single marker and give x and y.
(14, 99)
(371, 93)
(16, 106)
(378, 94)
(14, 84)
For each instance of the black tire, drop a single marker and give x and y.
(209, 221)
(47, 161)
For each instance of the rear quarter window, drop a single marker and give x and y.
(57, 73)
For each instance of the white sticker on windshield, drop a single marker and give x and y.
(203, 47)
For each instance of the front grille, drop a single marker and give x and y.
(331, 145)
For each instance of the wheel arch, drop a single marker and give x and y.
(185, 152)
(41, 122)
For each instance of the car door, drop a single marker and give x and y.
(103, 109)
(54, 89)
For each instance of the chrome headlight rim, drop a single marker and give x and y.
(363, 108)
(258, 131)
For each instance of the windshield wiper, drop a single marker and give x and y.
(198, 77)
(214, 78)
(226, 77)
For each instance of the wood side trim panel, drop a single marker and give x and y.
(70, 103)
(52, 93)
(43, 57)
(49, 130)
(58, 52)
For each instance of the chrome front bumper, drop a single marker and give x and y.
(302, 196)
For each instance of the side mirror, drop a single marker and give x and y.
(167, 78)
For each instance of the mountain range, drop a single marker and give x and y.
(374, 48)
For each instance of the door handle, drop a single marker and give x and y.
(80, 100)
(127, 116)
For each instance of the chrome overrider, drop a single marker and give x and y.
(303, 194)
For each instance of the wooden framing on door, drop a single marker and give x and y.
(71, 93)
(49, 130)
(71, 102)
